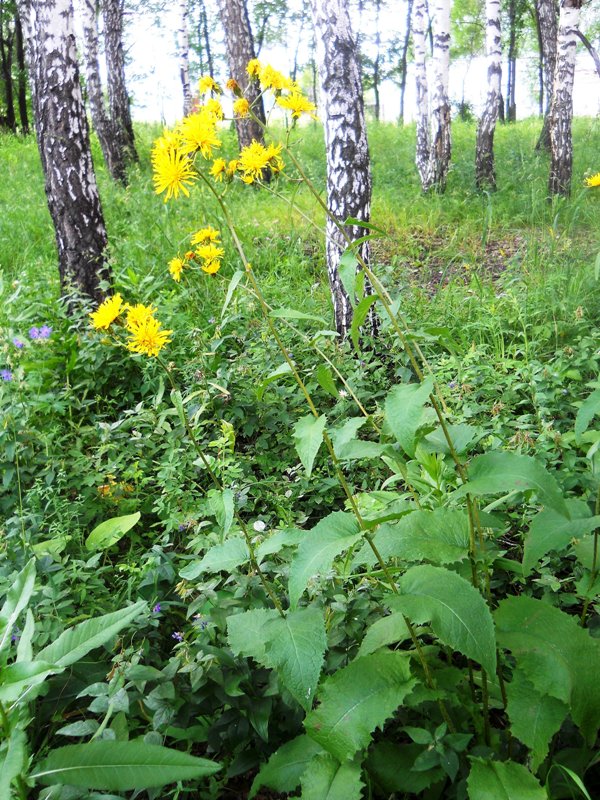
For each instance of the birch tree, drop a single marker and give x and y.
(183, 46)
(547, 23)
(118, 99)
(440, 143)
(64, 145)
(561, 111)
(348, 163)
(419, 46)
(485, 173)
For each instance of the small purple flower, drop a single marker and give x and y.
(45, 332)
(156, 609)
(18, 343)
(177, 635)
(452, 385)
(34, 333)
(16, 635)
(183, 526)
(6, 375)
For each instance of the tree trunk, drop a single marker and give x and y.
(440, 143)
(203, 37)
(184, 56)
(484, 153)
(348, 163)
(404, 60)
(108, 135)
(377, 62)
(240, 50)
(547, 24)
(511, 105)
(118, 99)
(64, 145)
(419, 46)
(6, 47)
(561, 113)
(22, 76)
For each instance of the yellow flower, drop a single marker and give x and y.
(218, 169)
(253, 68)
(147, 338)
(173, 173)
(271, 78)
(211, 267)
(207, 84)
(107, 312)
(169, 141)
(198, 132)
(176, 266)
(210, 252)
(256, 158)
(275, 161)
(233, 85)
(298, 104)
(138, 314)
(232, 167)
(213, 106)
(208, 234)
(241, 107)
(594, 180)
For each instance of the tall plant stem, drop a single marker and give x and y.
(594, 572)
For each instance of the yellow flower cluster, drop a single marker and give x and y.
(255, 159)
(270, 78)
(593, 180)
(208, 253)
(143, 329)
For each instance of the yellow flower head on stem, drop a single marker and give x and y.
(218, 169)
(211, 267)
(232, 168)
(208, 234)
(138, 314)
(256, 158)
(253, 68)
(209, 252)
(176, 266)
(233, 86)
(593, 180)
(107, 312)
(271, 78)
(208, 84)
(241, 107)
(298, 104)
(168, 142)
(198, 132)
(148, 338)
(213, 106)
(173, 173)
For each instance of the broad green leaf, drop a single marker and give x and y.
(440, 536)
(502, 780)
(292, 313)
(458, 614)
(315, 554)
(74, 643)
(233, 284)
(18, 676)
(404, 411)
(308, 436)
(347, 271)
(24, 648)
(326, 381)
(222, 557)
(356, 700)
(245, 633)
(342, 435)
(495, 472)
(462, 436)
(534, 717)
(221, 504)
(552, 531)
(285, 767)
(554, 652)
(275, 542)
(387, 630)
(360, 314)
(280, 371)
(586, 413)
(52, 547)
(17, 599)
(13, 761)
(110, 531)
(120, 766)
(295, 647)
(85, 727)
(326, 779)
(391, 765)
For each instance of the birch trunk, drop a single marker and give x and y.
(420, 49)
(561, 112)
(239, 44)
(511, 84)
(6, 54)
(64, 145)
(404, 59)
(118, 99)
(485, 173)
(440, 143)
(348, 163)
(184, 56)
(547, 23)
(21, 76)
(114, 157)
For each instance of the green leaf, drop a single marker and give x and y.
(16, 600)
(495, 472)
(295, 647)
(347, 267)
(554, 653)
(18, 676)
(52, 547)
(285, 538)
(534, 717)
(12, 761)
(120, 766)
(586, 413)
(315, 554)
(462, 436)
(345, 433)
(221, 505)
(285, 767)
(552, 531)
(292, 313)
(233, 284)
(308, 436)
(74, 643)
(361, 223)
(110, 531)
(458, 613)
(391, 764)
(326, 380)
(326, 779)
(245, 632)
(279, 372)
(222, 557)
(404, 411)
(387, 630)
(356, 700)
(502, 780)
(358, 318)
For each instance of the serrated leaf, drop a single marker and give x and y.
(391, 766)
(245, 633)
(550, 530)
(76, 642)
(17, 599)
(534, 717)
(120, 766)
(404, 411)
(387, 630)
(315, 554)
(495, 472)
(502, 780)
(586, 413)
(325, 380)
(554, 653)
(274, 543)
(221, 557)
(110, 531)
(285, 767)
(356, 700)
(308, 436)
(295, 646)
(458, 614)
(326, 779)
(360, 314)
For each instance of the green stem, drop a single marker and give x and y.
(594, 572)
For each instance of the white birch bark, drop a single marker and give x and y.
(419, 47)
(548, 28)
(64, 145)
(561, 112)
(347, 151)
(183, 42)
(440, 142)
(118, 98)
(485, 173)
